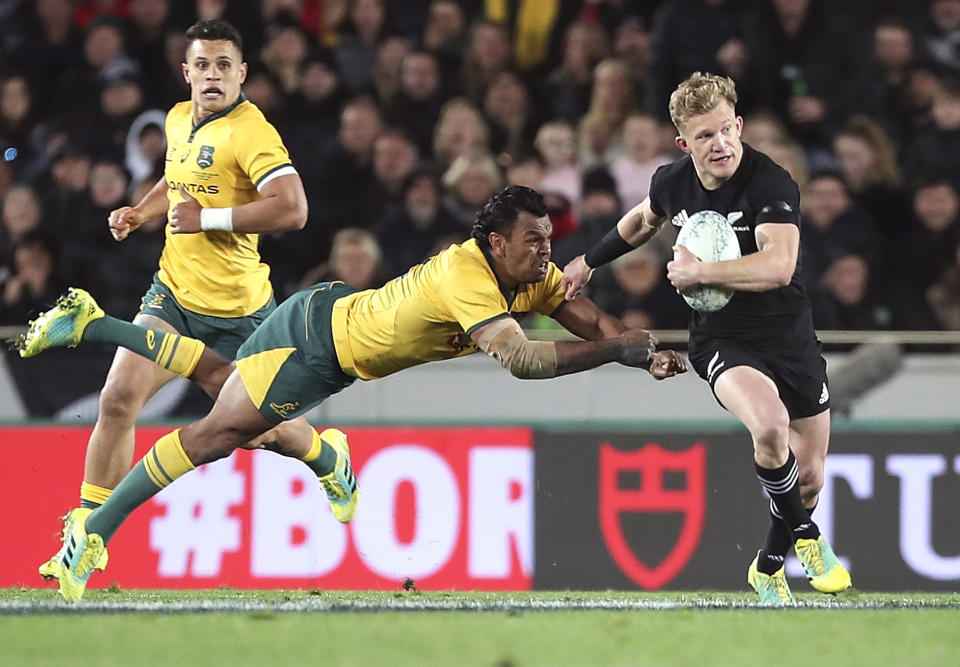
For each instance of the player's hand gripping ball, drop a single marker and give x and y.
(710, 238)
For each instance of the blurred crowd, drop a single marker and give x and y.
(403, 117)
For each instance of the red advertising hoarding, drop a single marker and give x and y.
(451, 508)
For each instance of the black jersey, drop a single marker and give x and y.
(776, 320)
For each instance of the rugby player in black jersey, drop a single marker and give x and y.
(759, 353)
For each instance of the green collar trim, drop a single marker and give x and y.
(220, 114)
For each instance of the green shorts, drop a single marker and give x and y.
(289, 364)
(224, 335)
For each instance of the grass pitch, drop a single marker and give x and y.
(232, 627)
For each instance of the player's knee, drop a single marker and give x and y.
(810, 481)
(204, 444)
(121, 399)
(771, 433)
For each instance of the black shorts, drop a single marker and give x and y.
(801, 381)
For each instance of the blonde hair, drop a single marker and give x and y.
(701, 93)
(356, 236)
(474, 158)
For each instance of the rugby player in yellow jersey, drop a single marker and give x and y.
(466, 298)
(227, 178)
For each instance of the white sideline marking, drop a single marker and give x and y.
(413, 604)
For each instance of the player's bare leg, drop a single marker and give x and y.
(753, 398)
(809, 440)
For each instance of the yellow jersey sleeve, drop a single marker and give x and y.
(469, 292)
(261, 154)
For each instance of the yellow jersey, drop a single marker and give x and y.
(223, 161)
(428, 313)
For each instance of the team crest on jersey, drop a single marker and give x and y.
(205, 156)
(653, 493)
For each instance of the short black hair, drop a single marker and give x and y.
(215, 30)
(501, 211)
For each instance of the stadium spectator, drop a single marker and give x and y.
(386, 76)
(557, 144)
(935, 150)
(794, 48)
(940, 34)
(411, 232)
(313, 115)
(145, 148)
(355, 258)
(600, 131)
(49, 48)
(847, 297)
(566, 89)
(17, 119)
(926, 248)
(394, 158)
(65, 186)
(487, 53)
(511, 116)
(460, 129)
(834, 227)
(31, 283)
(284, 51)
(19, 215)
(149, 21)
(340, 180)
(416, 105)
(534, 26)
(640, 294)
(444, 35)
(88, 256)
(892, 54)
(868, 163)
(632, 170)
(944, 295)
(356, 47)
(698, 35)
(103, 45)
(472, 179)
(633, 44)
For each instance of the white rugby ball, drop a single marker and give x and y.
(710, 237)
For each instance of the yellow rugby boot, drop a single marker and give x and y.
(340, 483)
(773, 589)
(81, 554)
(824, 571)
(61, 326)
(50, 569)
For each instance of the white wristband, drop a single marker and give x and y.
(216, 219)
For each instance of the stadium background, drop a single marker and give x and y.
(522, 486)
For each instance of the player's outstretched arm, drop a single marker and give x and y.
(505, 341)
(582, 318)
(635, 228)
(283, 207)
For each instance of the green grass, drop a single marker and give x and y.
(723, 634)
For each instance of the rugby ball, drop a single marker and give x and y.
(710, 237)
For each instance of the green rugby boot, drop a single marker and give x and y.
(62, 325)
(51, 569)
(340, 483)
(773, 589)
(824, 571)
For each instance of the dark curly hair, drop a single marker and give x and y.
(215, 30)
(502, 210)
